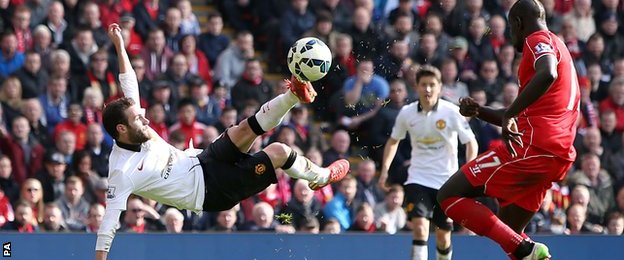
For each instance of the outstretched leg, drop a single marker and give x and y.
(270, 114)
(297, 166)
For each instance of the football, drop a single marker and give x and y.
(309, 59)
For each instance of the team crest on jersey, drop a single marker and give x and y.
(409, 207)
(542, 48)
(260, 168)
(440, 124)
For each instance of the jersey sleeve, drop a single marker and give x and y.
(399, 130)
(119, 189)
(462, 127)
(130, 86)
(109, 225)
(539, 45)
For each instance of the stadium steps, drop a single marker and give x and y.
(201, 8)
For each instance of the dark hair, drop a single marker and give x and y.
(324, 16)
(76, 158)
(188, 35)
(227, 109)
(31, 52)
(428, 71)
(214, 14)
(395, 189)
(100, 52)
(114, 114)
(184, 102)
(5, 34)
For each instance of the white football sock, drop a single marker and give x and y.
(272, 112)
(303, 168)
(419, 252)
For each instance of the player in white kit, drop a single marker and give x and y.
(214, 179)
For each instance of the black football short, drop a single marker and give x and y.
(420, 201)
(231, 176)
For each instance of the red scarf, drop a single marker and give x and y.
(138, 228)
(110, 79)
(349, 63)
(27, 228)
(92, 116)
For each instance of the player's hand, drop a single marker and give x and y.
(383, 178)
(468, 107)
(511, 135)
(114, 33)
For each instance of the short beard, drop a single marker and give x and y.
(137, 137)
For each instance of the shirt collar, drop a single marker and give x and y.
(434, 108)
(131, 147)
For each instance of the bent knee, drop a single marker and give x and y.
(278, 152)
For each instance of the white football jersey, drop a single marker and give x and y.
(433, 136)
(159, 172)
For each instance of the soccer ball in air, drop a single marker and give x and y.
(309, 59)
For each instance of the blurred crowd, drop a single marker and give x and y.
(57, 70)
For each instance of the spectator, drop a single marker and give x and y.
(332, 227)
(173, 220)
(295, 21)
(210, 134)
(594, 53)
(342, 206)
(550, 219)
(156, 116)
(32, 76)
(592, 143)
(452, 88)
(22, 16)
(90, 19)
(42, 44)
(365, 89)
(580, 195)
(402, 30)
(161, 94)
(172, 28)
(251, 86)
(263, 220)
(111, 11)
(133, 41)
(25, 152)
(323, 28)
(73, 124)
(497, 36)
(52, 176)
(466, 65)
(339, 11)
(135, 220)
(66, 145)
(148, 14)
(56, 23)
(98, 150)
(94, 220)
(82, 168)
(488, 80)
(506, 59)
(32, 194)
(611, 139)
(328, 88)
(393, 64)
(364, 220)
(615, 102)
(600, 187)
(367, 41)
(11, 59)
(228, 118)
(577, 221)
(368, 191)
(434, 24)
(303, 205)
(509, 93)
(231, 62)
(479, 47)
(309, 226)
(339, 147)
(226, 221)
(197, 61)
(53, 220)
(80, 49)
(189, 23)
(213, 42)
(92, 103)
(389, 215)
(8, 185)
(207, 107)
(582, 18)
(11, 98)
(614, 41)
(6, 211)
(427, 53)
(187, 123)
(156, 54)
(570, 38)
(177, 76)
(615, 223)
(100, 77)
(23, 222)
(474, 9)
(101, 190)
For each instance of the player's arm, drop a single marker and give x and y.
(106, 233)
(399, 130)
(545, 75)
(468, 107)
(472, 149)
(127, 77)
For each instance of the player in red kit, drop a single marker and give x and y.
(538, 132)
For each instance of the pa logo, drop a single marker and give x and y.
(6, 249)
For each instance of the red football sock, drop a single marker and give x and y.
(478, 218)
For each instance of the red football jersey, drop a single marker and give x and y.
(550, 122)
